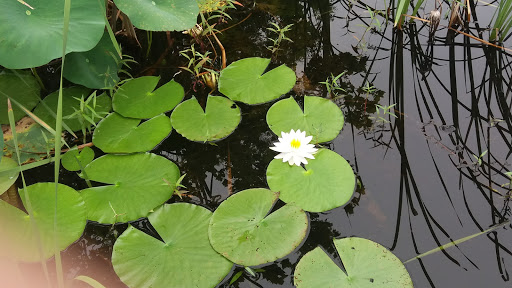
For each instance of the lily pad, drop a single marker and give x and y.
(367, 264)
(135, 184)
(8, 179)
(218, 121)
(33, 37)
(33, 145)
(161, 15)
(96, 68)
(117, 134)
(75, 160)
(321, 118)
(20, 86)
(327, 181)
(47, 109)
(246, 81)
(184, 259)
(136, 98)
(18, 239)
(243, 231)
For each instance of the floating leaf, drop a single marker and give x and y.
(243, 231)
(367, 264)
(8, 179)
(33, 37)
(117, 134)
(135, 184)
(327, 182)
(321, 118)
(219, 120)
(96, 68)
(33, 145)
(136, 98)
(184, 259)
(75, 160)
(18, 239)
(21, 87)
(47, 109)
(244, 81)
(161, 15)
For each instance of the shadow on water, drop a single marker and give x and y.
(432, 175)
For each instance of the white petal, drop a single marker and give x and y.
(308, 139)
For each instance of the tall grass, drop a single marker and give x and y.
(503, 21)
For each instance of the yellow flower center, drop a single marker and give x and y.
(295, 143)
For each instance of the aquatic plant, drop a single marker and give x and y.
(294, 147)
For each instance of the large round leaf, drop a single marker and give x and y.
(96, 68)
(117, 134)
(321, 118)
(242, 230)
(327, 182)
(47, 109)
(367, 264)
(21, 87)
(244, 81)
(184, 259)
(33, 37)
(220, 118)
(160, 15)
(18, 239)
(135, 184)
(7, 179)
(136, 98)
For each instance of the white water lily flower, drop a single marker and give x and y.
(294, 147)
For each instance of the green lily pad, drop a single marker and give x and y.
(161, 15)
(244, 81)
(327, 182)
(218, 121)
(117, 134)
(33, 37)
(47, 109)
(8, 179)
(18, 239)
(242, 230)
(75, 160)
(135, 184)
(33, 145)
(20, 86)
(136, 98)
(184, 259)
(367, 264)
(321, 118)
(96, 68)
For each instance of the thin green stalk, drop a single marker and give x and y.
(27, 166)
(28, 203)
(58, 131)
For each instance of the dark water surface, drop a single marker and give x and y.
(419, 183)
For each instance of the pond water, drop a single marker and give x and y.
(419, 183)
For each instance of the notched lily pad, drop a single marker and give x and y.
(75, 160)
(246, 81)
(18, 239)
(161, 15)
(243, 231)
(136, 98)
(117, 134)
(184, 259)
(327, 182)
(321, 118)
(219, 120)
(367, 264)
(134, 185)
